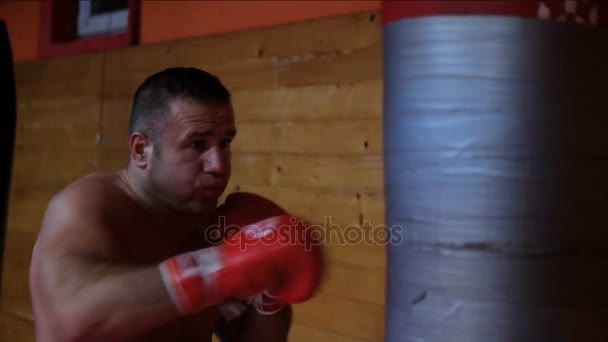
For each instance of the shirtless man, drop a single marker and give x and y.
(126, 256)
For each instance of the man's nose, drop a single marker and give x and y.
(215, 160)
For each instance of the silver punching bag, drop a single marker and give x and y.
(496, 166)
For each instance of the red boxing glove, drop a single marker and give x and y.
(242, 208)
(276, 256)
(239, 210)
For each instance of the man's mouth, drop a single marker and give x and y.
(213, 191)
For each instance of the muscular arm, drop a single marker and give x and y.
(81, 289)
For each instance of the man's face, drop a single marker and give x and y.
(193, 166)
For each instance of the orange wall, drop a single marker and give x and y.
(22, 20)
(169, 20)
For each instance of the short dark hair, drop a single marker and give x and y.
(152, 98)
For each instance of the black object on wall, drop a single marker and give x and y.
(8, 120)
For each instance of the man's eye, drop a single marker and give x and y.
(226, 142)
(197, 144)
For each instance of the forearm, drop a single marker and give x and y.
(114, 302)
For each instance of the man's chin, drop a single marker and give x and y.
(203, 206)
(209, 194)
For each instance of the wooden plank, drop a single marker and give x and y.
(340, 277)
(361, 173)
(54, 136)
(144, 59)
(340, 247)
(78, 110)
(330, 137)
(357, 101)
(44, 92)
(56, 69)
(26, 208)
(56, 124)
(254, 138)
(238, 58)
(15, 288)
(115, 117)
(358, 65)
(260, 105)
(373, 207)
(323, 35)
(349, 101)
(42, 164)
(330, 34)
(255, 73)
(220, 48)
(321, 206)
(305, 333)
(212, 49)
(48, 80)
(15, 328)
(111, 159)
(342, 316)
(21, 70)
(254, 169)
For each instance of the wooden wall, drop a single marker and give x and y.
(308, 101)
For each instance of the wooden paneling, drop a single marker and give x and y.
(55, 80)
(309, 171)
(337, 172)
(356, 283)
(329, 35)
(17, 255)
(255, 138)
(304, 333)
(361, 100)
(27, 206)
(243, 74)
(15, 328)
(342, 316)
(348, 66)
(308, 106)
(51, 163)
(330, 137)
(115, 115)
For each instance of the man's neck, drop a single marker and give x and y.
(159, 213)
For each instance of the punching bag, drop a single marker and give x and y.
(8, 117)
(496, 166)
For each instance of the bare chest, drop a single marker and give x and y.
(145, 244)
(140, 241)
(195, 328)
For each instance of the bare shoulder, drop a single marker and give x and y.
(73, 238)
(76, 217)
(93, 193)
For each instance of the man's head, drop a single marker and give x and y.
(152, 98)
(180, 130)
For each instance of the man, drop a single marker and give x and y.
(126, 256)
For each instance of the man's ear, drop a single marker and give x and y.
(140, 148)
